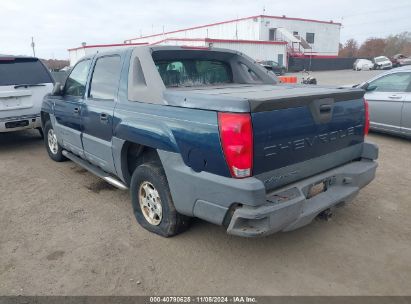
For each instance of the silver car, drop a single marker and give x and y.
(389, 99)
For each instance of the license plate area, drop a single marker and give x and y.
(317, 188)
(17, 124)
(11, 102)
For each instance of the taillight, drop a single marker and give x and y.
(236, 135)
(367, 118)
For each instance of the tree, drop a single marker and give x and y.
(372, 47)
(350, 49)
(55, 64)
(398, 44)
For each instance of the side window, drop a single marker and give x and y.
(106, 75)
(397, 82)
(76, 81)
(309, 37)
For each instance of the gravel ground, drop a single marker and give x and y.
(63, 231)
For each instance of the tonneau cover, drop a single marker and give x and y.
(255, 98)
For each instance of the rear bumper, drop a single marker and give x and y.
(246, 208)
(289, 208)
(18, 123)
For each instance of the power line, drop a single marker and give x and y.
(377, 11)
(373, 22)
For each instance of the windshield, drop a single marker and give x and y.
(381, 59)
(194, 72)
(16, 71)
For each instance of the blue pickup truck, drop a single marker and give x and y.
(209, 133)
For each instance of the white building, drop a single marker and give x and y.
(260, 37)
(77, 53)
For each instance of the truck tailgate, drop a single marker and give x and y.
(305, 133)
(293, 125)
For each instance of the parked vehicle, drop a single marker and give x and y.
(274, 66)
(389, 98)
(400, 60)
(382, 63)
(208, 133)
(307, 78)
(363, 65)
(24, 81)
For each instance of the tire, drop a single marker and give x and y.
(54, 149)
(150, 179)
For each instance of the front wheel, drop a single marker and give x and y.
(54, 149)
(152, 203)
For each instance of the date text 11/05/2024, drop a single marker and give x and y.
(203, 299)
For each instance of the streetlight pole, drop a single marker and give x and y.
(32, 46)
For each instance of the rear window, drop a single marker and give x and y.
(15, 71)
(194, 72)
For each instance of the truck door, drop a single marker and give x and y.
(67, 108)
(386, 99)
(97, 112)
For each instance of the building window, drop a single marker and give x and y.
(295, 33)
(309, 37)
(272, 34)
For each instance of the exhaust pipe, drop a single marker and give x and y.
(326, 215)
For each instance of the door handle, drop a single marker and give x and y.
(76, 110)
(394, 97)
(104, 117)
(325, 109)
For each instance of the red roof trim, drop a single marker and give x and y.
(106, 45)
(192, 28)
(194, 47)
(300, 19)
(245, 41)
(234, 20)
(210, 40)
(313, 56)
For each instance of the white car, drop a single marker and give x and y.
(382, 63)
(24, 81)
(363, 65)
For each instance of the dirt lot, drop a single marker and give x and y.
(65, 232)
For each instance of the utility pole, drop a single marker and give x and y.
(32, 46)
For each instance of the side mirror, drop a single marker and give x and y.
(370, 88)
(367, 87)
(57, 89)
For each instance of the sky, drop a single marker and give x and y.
(61, 24)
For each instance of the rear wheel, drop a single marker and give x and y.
(54, 149)
(152, 203)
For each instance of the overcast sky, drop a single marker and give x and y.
(61, 24)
